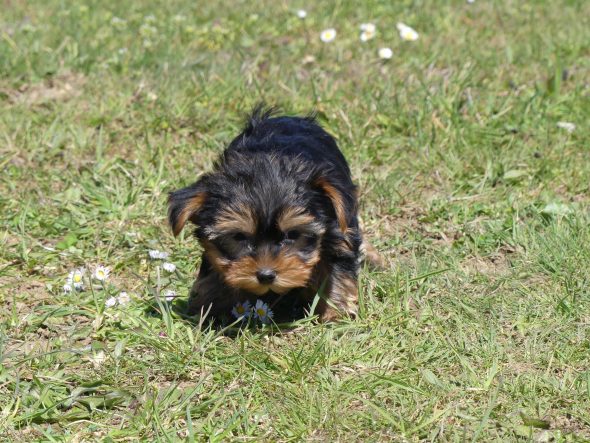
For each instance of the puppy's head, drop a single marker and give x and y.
(261, 219)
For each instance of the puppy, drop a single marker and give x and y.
(277, 220)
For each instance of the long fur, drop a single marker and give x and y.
(277, 167)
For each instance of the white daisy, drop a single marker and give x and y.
(118, 22)
(147, 31)
(67, 288)
(101, 273)
(75, 278)
(365, 36)
(262, 312)
(123, 298)
(170, 295)
(368, 27)
(110, 302)
(568, 126)
(158, 255)
(368, 31)
(301, 13)
(242, 310)
(178, 18)
(328, 35)
(385, 53)
(170, 267)
(406, 32)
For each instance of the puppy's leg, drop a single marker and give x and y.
(208, 293)
(202, 295)
(370, 255)
(341, 296)
(341, 288)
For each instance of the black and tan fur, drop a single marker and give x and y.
(277, 219)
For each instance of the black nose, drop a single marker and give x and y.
(266, 276)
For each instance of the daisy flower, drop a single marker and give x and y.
(368, 27)
(407, 33)
(123, 298)
(147, 31)
(67, 288)
(385, 53)
(262, 312)
(368, 31)
(242, 310)
(101, 273)
(170, 295)
(118, 22)
(568, 126)
(301, 13)
(110, 302)
(328, 35)
(158, 255)
(75, 278)
(170, 267)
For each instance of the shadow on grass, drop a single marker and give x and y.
(288, 316)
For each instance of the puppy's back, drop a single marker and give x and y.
(291, 136)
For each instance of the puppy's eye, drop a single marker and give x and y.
(239, 236)
(292, 235)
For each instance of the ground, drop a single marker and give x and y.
(477, 329)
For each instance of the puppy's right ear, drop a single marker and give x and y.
(184, 204)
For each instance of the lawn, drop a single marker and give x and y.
(471, 186)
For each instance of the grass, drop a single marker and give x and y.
(477, 330)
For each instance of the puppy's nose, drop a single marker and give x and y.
(266, 276)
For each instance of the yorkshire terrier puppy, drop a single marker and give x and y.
(277, 219)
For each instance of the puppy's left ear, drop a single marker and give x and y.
(341, 201)
(184, 204)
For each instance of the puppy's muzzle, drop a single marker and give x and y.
(266, 276)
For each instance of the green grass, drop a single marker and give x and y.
(477, 330)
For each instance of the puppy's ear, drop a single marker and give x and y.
(184, 204)
(337, 197)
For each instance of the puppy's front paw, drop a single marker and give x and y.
(205, 296)
(341, 298)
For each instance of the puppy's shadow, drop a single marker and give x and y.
(288, 315)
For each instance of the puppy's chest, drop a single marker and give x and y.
(286, 307)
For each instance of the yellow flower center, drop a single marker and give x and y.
(240, 309)
(100, 273)
(261, 312)
(77, 278)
